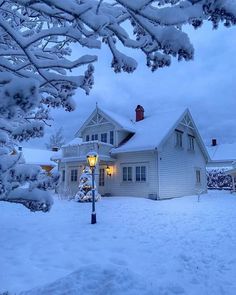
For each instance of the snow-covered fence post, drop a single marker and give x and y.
(199, 193)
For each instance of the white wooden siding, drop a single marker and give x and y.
(178, 167)
(118, 187)
(98, 129)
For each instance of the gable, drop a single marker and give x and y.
(186, 121)
(152, 132)
(97, 119)
(101, 117)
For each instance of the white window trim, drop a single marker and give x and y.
(196, 179)
(177, 133)
(133, 166)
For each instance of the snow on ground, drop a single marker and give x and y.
(138, 247)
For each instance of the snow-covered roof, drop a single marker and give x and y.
(124, 122)
(223, 152)
(38, 156)
(73, 142)
(150, 132)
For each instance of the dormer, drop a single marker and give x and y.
(105, 126)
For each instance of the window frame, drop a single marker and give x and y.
(74, 175)
(101, 177)
(112, 137)
(179, 138)
(63, 175)
(198, 176)
(94, 137)
(141, 171)
(87, 137)
(191, 142)
(104, 135)
(128, 175)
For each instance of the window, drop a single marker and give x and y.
(127, 174)
(73, 175)
(87, 137)
(94, 137)
(101, 177)
(63, 175)
(140, 173)
(179, 138)
(111, 137)
(198, 176)
(104, 137)
(191, 142)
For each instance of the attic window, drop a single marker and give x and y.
(178, 138)
(191, 142)
(111, 137)
(104, 137)
(94, 137)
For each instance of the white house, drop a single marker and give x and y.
(158, 156)
(222, 155)
(38, 157)
(223, 161)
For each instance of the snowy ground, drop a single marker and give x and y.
(137, 247)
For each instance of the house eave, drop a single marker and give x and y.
(143, 149)
(84, 159)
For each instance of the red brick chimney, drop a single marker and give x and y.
(213, 142)
(139, 113)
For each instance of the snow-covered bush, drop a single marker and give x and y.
(36, 62)
(219, 179)
(84, 193)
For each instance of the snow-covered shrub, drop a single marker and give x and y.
(65, 193)
(219, 179)
(85, 188)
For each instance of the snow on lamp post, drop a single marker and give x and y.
(92, 158)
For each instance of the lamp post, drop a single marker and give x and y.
(92, 158)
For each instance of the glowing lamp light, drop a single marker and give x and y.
(92, 159)
(108, 171)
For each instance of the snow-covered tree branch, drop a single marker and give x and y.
(56, 140)
(36, 65)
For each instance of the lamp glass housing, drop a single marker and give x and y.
(92, 159)
(108, 171)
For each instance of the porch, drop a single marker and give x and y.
(74, 159)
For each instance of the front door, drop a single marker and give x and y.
(101, 187)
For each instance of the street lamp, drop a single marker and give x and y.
(92, 158)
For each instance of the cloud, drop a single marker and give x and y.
(206, 85)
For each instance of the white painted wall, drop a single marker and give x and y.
(138, 189)
(98, 129)
(178, 167)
